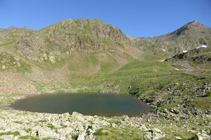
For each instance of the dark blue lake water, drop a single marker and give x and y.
(85, 103)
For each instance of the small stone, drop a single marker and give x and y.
(18, 63)
(113, 125)
(178, 138)
(157, 130)
(3, 67)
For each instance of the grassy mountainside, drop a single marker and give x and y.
(188, 37)
(64, 38)
(47, 59)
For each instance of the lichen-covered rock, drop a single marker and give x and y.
(51, 58)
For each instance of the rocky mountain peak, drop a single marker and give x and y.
(194, 24)
(68, 36)
(187, 37)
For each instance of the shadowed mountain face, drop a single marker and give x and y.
(190, 36)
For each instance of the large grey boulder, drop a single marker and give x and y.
(82, 135)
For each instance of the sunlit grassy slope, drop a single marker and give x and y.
(102, 72)
(141, 78)
(139, 75)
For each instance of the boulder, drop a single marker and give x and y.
(157, 130)
(197, 137)
(51, 58)
(78, 116)
(3, 67)
(81, 135)
(90, 137)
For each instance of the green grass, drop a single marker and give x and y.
(109, 65)
(52, 127)
(142, 76)
(75, 136)
(24, 68)
(39, 85)
(10, 62)
(127, 133)
(28, 138)
(18, 122)
(16, 133)
(100, 132)
(7, 44)
(46, 65)
(42, 121)
(171, 132)
(28, 130)
(6, 98)
(203, 102)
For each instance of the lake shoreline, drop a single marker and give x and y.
(8, 106)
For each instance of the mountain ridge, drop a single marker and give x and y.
(189, 36)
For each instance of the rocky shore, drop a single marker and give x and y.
(171, 123)
(26, 125)
(180, 122)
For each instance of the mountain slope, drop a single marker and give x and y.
(188, 37)
(196, 59)
(49, 59)
(69, 36)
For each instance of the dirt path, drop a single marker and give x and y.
(160, 60)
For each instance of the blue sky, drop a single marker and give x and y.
(137, 18)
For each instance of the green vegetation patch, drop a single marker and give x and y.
(16, 133)
(39, 85)
(8, 61)
(75, 136)
(127, 133)
(28, 130)
(203, 102)
(24, 68)
(100, 132)
(28, 138)
(173, 132)
(52, 127)
(18, 122)
(7, 44)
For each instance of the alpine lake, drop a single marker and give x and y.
(85, 103)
